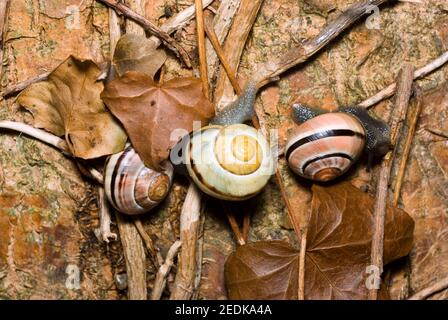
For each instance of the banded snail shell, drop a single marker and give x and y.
(325, 147)
(229, 162)
(133, 188)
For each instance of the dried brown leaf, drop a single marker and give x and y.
(338, 251)
(150, 112)
(263, 270)
(69, 104)
(136, 53)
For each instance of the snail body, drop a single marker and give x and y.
(326, 144)
(133, 188)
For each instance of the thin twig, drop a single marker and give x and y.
(23, 85)
(221, 25)
(220, 53)
(437, 133)
(150, 27)
(436, 287)
(201, 47)
(246, 226)
(39, 134)
(404, 91)
(234, 225)
(414, 114)
(4, 6)
(301, 278)
(154, 253)
(164, 270)
(135, 257)
(233, 48)
(190, 218)
(199, 255)
(291, 211)
(418, 74)
(105, 217)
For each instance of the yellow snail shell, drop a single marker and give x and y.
(133, 188)
(325, 147)
(229, 162)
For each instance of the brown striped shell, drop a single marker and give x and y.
(133, 188)
(229, 162)
(324, 147)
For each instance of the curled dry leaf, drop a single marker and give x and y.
(337, 255)
(151, 112)
(69, 104)
(136, 53)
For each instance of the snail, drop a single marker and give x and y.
(227, 159)
(326, 144)
(133, 188)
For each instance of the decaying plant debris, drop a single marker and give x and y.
(49, 212)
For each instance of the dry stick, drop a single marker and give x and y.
(437, 133)
(201, 47)
(267, 72)
(150, 27)
(221, 24)
(220, 53)
(189, 228)
(234, 225)
(414, 114)
(164, 270)
(436, 287)
(105, 217)
(39, 134)
(154, 253)
(131, 241)
(246, 226)
(24, 84)
(199, 255)
(4, 6)
(404, 90)
(234, 46)
(301, 277)
(420, 73)
(135, 257)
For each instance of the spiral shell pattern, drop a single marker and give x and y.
(229, 163)
(133, 188)
(324, 147)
